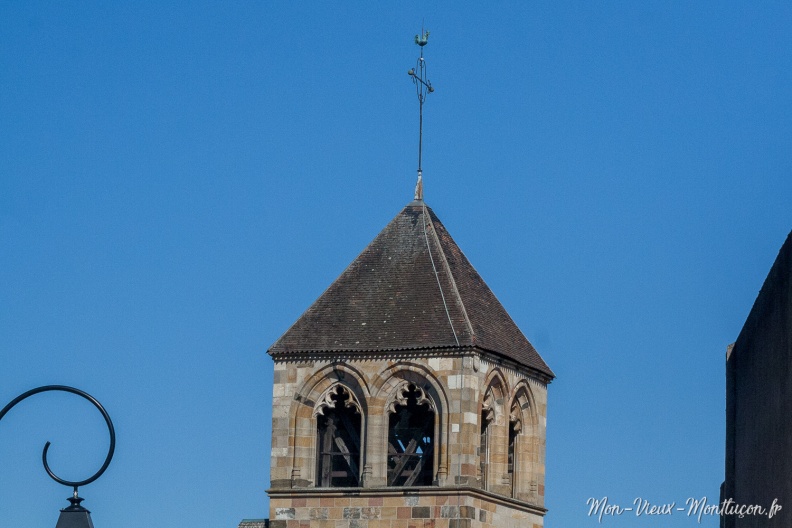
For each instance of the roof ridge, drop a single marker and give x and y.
(451, 278)
(434, 270)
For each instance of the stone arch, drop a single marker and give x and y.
(338, 418)
(523, 444)
(493, 434)
(337, 372)
(412, 436)
(389, 389)
(303, 416)
(495, 391)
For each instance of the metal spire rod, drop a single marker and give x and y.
(423, 87)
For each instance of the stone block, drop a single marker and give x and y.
(284, 513)
(411, 500)
(351, 513)
(280, 484)
(319, 513)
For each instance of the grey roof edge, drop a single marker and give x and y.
(329, 286)
(414, 203)
(544, 376)
(548, 371)
(401, 348)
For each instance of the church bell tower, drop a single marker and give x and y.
(405, 396)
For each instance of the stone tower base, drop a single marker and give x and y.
(399, 508)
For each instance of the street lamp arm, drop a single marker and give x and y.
(95, 402)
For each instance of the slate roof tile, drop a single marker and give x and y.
(411, 288)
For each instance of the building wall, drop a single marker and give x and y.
(759, 403)
(457, 384)
(398, 508)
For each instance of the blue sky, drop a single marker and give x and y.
(179, 182)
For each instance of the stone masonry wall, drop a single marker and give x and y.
(463, 388)
(417, 509)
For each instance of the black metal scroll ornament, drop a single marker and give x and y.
(75, 500)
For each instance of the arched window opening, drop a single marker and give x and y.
(411, 438)
(514, 430)
(487, 417)
(338, 440)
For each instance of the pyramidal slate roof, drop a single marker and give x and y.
(411, 288)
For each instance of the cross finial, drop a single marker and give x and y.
(422, 87)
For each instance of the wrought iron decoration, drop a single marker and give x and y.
(74, 515)
(422, 87)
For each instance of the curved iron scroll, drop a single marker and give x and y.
(96, 404)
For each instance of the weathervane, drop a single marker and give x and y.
(422, 87)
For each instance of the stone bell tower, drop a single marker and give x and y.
(406, 396)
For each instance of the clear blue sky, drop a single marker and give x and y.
(179, 182)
